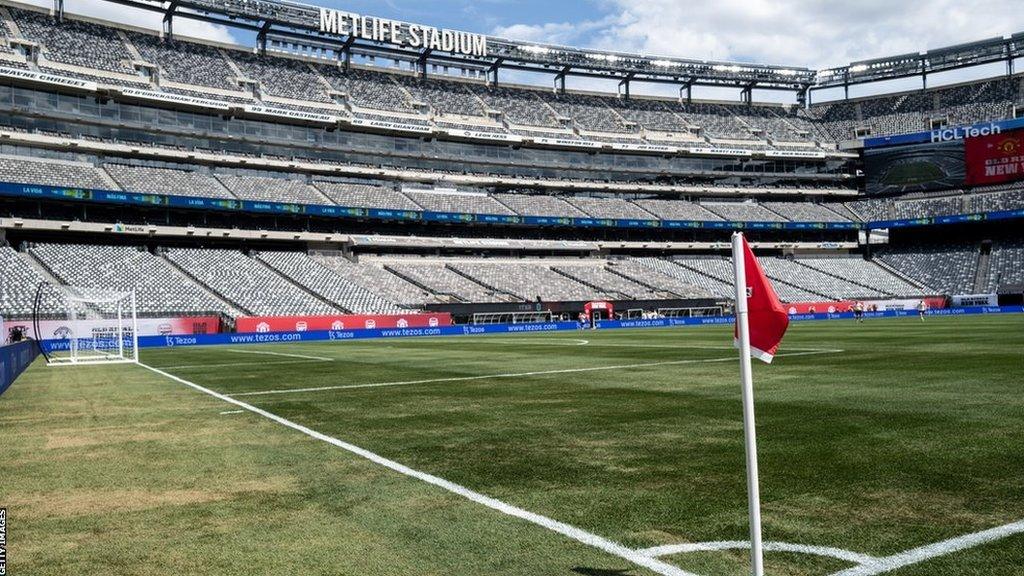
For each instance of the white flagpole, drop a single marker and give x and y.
(743, 330)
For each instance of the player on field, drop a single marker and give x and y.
(858, 311)
(922, 307)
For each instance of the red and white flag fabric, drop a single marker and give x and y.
(768, 319)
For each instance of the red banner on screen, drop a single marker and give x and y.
(341, 322)
(147, 327)
(833, 307)
(995, 158)
(817, 307)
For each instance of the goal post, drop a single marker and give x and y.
(86, 325)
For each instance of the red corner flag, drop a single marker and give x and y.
(761, 322)
(768, 319)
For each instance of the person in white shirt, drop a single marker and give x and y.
(922, 307)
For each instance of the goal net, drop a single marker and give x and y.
(85, 325)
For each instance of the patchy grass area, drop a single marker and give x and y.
(874, 438)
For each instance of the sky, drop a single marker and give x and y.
(814, 34)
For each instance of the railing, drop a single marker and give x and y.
(697, 312)
(512, 317)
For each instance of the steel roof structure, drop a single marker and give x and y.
(285, 23)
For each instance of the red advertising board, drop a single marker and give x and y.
(341, 322)
(995, 158)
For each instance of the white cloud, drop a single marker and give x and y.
(807, 33)
(564, 33)
(141, 18)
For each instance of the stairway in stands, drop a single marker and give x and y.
(837, 277)
(599, 291)
(983, 272)
(235, 309)
(272, 270)
(900, 274)
(498, 292)
(441, 296)
(40, 267)
(664, 293)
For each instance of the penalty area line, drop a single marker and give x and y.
(288, 355)
(230, 364)
(577, 534)
(511, 375)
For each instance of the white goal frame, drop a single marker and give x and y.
(87, 306)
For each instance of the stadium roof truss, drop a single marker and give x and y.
(295, 27)
(299, 25)
(999, 49)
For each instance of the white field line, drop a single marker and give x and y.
(572, 532)
(694, 347)
(838, 553)
(508, 375)
(599, 344)
(561, 341)
(231, 412)
(238, 351)
(929, 551)
(230, 364)
(589, 343)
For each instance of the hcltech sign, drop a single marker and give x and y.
(961, 132)
(402, 34)
(950, 134)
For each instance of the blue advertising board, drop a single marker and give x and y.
(483, 329)
(109, 196)
(951, 219)
(200, 203)
(14, 359)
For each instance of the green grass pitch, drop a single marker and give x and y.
(910, 173)
(897, 435)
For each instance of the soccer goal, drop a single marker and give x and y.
(85, 325)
